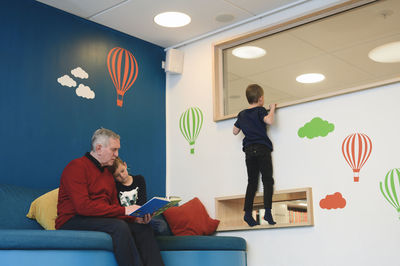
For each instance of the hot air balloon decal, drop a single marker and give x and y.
(356, 150)
(123, 70)
(391, 187)
(190, 125)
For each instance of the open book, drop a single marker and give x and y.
(156, 206)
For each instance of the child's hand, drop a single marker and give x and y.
(235, 130)
(269, 119)
(143, 220)
(147, 218)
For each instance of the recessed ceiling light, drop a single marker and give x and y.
(172, 19)
(249, 52)
(387, 53)
(310, 78)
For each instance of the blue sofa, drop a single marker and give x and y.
(24, 242)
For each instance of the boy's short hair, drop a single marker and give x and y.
(253, 93)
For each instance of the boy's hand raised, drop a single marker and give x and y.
(269, 119)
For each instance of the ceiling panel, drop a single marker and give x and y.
(82, 8)
(358, 56)
(282, 50)
(258, 7)
(136, 18)
(232, 77)
(338, 75)
(354, 28)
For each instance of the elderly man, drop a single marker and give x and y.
(88, 201)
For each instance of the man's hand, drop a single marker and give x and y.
(130, 209)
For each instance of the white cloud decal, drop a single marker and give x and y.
(66, 81)
(79, 73)
(84, 91)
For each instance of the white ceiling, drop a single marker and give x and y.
(135, 17)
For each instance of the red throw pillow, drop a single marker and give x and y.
(190, 218)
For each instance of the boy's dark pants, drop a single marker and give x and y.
(134, 244)
(258, 160)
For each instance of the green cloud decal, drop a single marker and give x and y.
(316, 128)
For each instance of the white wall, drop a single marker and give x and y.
(364, 233)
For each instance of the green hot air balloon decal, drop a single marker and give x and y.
(391, 187)
(190, 125)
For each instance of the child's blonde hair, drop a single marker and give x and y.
(117, 162)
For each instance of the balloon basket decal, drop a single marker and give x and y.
(190, 124)
(356, 173)
(356, 149)
(120, 99)
(123, 70)
(390, 188)
(191, 147)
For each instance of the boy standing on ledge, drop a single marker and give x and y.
(258, 147)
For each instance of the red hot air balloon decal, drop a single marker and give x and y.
(356, 150)
(123, 70)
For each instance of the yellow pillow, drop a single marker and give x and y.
(44, 210)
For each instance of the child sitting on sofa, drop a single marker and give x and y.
(132, 191)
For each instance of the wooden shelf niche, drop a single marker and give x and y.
(290, 208)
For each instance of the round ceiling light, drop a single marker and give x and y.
(172, 19)
(387, 53)
(310, 78)
(249, 52)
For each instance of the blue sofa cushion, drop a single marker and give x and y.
(91, 240)
(55, 239)
(201, 243)
(14, 205)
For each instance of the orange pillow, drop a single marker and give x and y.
(190, 218)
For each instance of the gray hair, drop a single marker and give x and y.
(102, 136)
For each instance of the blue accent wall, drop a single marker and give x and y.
(44, 125)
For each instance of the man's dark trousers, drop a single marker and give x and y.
(134, 244)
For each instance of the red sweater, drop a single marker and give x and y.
(87, 190)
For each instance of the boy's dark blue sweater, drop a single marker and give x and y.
(251, 122)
